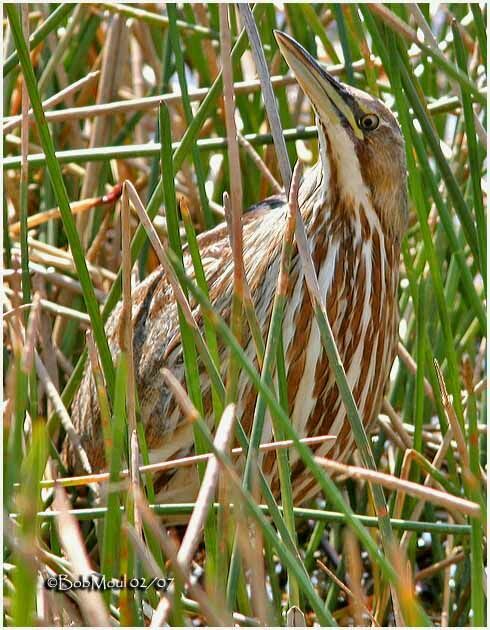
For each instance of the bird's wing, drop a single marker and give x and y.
(156, 340)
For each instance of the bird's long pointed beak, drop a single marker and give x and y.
(329, 97)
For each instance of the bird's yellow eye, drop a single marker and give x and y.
(369, 122)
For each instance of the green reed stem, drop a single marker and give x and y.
(189, 351)
(40, 34)
(110, 548)
(56, 177)
(196, 157)
(319, 516)
(473, 152)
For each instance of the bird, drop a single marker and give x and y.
(354, 206)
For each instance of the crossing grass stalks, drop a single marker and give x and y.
(189, 122)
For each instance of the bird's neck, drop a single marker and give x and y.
(336, 200)
(346, 223)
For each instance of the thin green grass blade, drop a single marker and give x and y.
(179, 62)
(210, 334)
(344, 42)
(285, 476)
(453, 189)
(420, 358)
(59, 14)
(474, 154)
(62, 198)
(110, 547)
(468, 286)
(476, 540)
(155, 19)
(399, 28)
(311, 17)
(191, 366)
(481, 31)
(324, 516)
(29, 501)
(416, 189)
(14, 433)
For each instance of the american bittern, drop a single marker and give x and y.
(354, 206)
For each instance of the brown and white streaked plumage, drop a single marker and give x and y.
(354, 206)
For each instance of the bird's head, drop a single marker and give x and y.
(361, 143)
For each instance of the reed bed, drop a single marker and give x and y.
(130, 129)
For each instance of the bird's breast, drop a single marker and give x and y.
(358, 278)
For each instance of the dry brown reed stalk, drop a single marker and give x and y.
(136, 63)
(170, 274)
(250, 544)
(48, 354)
(152, 102)
(53, 66)
(91, 603)
(188, 409)
(343, 587)
(390, 432)
(295, 618)
(411, 365)
(32, 332)
(16, 323)
(65, 365)
(397, 423)
(207, 490)
(241, 291)
(160, 252)
(126, 323)
(446, 597)
(241, 286)
(236, 193)
(62, 259)
(52, 307)
(135, 481)
(453, 423)
(354, 570)
(213, 616)
(436, 462)
(100, 239)
(35, 220)
(126, 345)
(428, 572)
(406, 587)
(55, 278)
(267, 95)
(408, 458)
(141, 548)
(142, 33)
(24, 170)
(53, 48)
(207, 45)
(62, 413)
(112, 63)
(260, 164)
(249, 539)
(190, 414)
(444, 499)
(100, 387)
